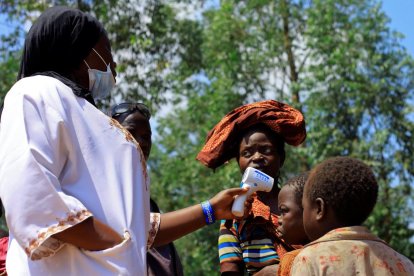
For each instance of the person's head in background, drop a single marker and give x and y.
(135, 118)
(340, 192)
(291, 211)
(69, 44)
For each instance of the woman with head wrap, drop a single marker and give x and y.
(72, 180)
(254, 134)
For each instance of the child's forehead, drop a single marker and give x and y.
(287, 191)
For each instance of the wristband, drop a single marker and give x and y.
(208, 212)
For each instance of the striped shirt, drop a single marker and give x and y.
(252, 241)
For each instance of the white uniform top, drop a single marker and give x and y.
(62, 161)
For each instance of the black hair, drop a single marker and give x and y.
(347, 185)
(297, 183)
(58, 41)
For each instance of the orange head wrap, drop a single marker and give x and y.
(281, 118)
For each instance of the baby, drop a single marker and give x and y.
(339, 195)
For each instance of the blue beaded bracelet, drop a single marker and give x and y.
(208, 212)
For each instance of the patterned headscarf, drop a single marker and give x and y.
(286, 121)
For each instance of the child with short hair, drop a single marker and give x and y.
(338, 197)
(291, 222)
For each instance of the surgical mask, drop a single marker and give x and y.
(100, 82)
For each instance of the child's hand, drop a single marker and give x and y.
(223, 202)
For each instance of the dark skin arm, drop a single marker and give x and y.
(177, 224)
(90, 234)
(93, 235)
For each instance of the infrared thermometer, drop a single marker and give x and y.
(257, 181)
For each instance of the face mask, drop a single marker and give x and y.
(100, 82)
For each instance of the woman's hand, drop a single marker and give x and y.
(223, 202)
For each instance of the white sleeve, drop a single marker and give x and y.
(34, 147)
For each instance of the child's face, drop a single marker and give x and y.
(291, 222)
(258, 151)
(310, 214)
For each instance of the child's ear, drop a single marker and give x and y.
(320, 208)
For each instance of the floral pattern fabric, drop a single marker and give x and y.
(351, 251)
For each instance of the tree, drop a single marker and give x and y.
(9, 59)
(360, 100)
(336, 60)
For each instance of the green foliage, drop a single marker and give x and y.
(359, 105)
(9, 57)
(9, 63)
(336, 60)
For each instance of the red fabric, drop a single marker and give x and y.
(281, 118)
(286, 263)
(4, 243)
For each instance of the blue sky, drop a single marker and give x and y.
(401, 13)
